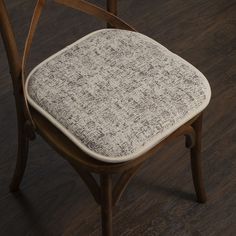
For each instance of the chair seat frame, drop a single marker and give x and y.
(31, 122)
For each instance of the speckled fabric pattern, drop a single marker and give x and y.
(117, 93)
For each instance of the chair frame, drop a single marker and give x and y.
(107, 193)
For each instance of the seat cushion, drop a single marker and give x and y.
(117, 93)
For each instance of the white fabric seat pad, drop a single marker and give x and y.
(117, 93)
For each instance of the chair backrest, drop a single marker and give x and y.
(17, 63)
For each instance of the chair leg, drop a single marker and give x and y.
(106, 204)
(196, 162)
(22, 156)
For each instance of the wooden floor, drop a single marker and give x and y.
(160, 200)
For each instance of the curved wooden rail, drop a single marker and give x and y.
(79, 158)
(123, 182)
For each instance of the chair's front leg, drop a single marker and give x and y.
(106, 204)
(196, 162)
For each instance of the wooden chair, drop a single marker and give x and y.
(32, 121)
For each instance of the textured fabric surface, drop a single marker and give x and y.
(117, 93)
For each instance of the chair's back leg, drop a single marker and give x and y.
(112, 8)
(196, 162)
(22, 156)
(106, 204)
(14, 60)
